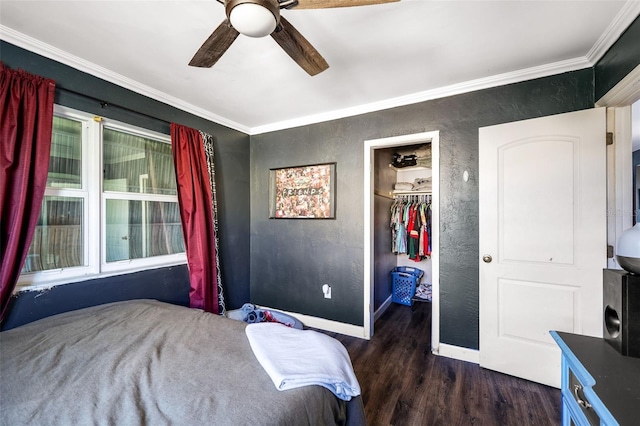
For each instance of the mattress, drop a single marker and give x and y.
(153, 363)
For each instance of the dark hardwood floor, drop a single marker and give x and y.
(404, 384)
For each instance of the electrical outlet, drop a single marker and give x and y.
(326, 290)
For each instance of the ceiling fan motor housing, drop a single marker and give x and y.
(253, 17)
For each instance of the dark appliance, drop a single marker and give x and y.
(621, 297)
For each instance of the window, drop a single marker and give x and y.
(110, 205)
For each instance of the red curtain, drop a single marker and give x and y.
(196, 196)
(26, 121)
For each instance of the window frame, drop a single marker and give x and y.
(94, 211)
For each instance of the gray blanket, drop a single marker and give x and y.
(147, 362)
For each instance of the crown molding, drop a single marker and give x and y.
(441, 92)
(628, 13)
(33, 45)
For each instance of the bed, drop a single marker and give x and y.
(153, 363)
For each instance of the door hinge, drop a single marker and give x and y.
(609, 252)
(609, 138)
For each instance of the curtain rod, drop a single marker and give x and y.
(104, 104)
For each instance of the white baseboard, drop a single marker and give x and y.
(381, 310)
(457, 352)
(325, 324)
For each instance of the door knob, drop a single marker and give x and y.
(487, 258)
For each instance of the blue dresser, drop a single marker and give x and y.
(599, 385)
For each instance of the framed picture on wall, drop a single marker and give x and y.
(303, 192)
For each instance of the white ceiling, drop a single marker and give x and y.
(379, 56)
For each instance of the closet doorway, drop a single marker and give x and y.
(373, 227)
(620, 101)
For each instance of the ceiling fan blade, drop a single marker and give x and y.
(215, 46)
(299, 48)
(326, 4)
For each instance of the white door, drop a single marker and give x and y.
(542, 239)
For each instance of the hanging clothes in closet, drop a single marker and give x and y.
(411, 226)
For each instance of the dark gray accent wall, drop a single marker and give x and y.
(290, 259)
(82, 91)
(619, 60)
(165, 285)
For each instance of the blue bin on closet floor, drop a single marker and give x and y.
(405, 280)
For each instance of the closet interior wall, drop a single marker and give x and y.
(384, 178)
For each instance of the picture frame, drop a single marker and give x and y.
(303, 192)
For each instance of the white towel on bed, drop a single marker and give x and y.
(295, 358)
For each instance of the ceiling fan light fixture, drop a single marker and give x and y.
(253, 18)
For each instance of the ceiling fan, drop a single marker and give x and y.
(260, 18)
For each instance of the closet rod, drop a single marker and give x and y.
(424, 197)
(104, 104)
(412, 192)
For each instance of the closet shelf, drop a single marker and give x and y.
(399, 169)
